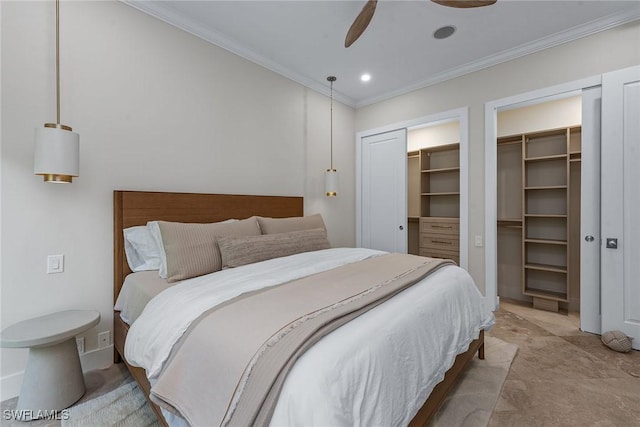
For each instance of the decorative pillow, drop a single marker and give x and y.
(286, 225)
(192, 250)
(237, 251)
(154, 230)
(616, 340)
(141, 249)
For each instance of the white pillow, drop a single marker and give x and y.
(154, 229)
(141, 249)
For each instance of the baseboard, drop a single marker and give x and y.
(95, 359)
(10, 386)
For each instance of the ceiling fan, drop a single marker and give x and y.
(365, 15)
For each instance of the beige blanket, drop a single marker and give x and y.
(232, 362)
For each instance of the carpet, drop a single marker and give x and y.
(472, 400)
(123, 407)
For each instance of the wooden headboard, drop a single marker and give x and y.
(132, 208)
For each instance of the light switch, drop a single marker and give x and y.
(55, 264)
(479, 241)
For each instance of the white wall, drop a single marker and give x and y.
(338, 212)
(156, 109)
(433, 135)
(606, 51)
(556, 114)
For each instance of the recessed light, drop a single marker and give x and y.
(444, 32)
(365, 77)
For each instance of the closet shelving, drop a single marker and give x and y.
(413, 202)
(544, 223)
(440, 181)
(545, 199)
(438, 193)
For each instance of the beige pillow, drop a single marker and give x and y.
(237, 251)
(286, 225)
(191, 249)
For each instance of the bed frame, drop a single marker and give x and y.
(131, 208)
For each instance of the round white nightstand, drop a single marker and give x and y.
(53, 379)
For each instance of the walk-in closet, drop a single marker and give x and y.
(433, 176)
(538, 204)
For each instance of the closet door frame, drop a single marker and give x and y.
(491, 160)
(462, 116)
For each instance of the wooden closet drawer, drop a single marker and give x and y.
(439, 225)
(451, 243)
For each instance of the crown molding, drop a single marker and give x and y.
(557, 39)
(162, 11)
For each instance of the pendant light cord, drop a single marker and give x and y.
(331, 79)
(58, 60)
(331, 125)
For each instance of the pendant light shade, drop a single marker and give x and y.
(56, 150)
(331, 182)
(56, 154)
(331, 175)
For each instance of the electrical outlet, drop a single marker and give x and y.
(104, 339)
(80, 344)
(479, 241)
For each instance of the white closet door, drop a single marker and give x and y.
(590, 319)
(384, 191)
(620, 211)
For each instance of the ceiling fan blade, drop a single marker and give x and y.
(361, 22)
(463, 4)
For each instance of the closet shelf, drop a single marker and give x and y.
(557, 296)
(510, 222)
(545, 215)
(546, 267)
(544, 158)
(547, 187)
(509, 142)
(547, 241)
(452, 193)
(454, 169)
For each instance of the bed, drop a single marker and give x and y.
(132, 208)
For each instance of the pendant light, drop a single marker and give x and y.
(331, 175)
(56, 154)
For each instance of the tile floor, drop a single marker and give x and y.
(562, 376)
(559, 377)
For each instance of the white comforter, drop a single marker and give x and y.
(377, 370)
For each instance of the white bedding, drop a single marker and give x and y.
(376, 370)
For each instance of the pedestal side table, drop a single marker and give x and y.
(53, 379)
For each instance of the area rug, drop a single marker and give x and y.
(123, 407)
(472, 400)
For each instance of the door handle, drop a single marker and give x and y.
(401, 228)
(588, 238)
